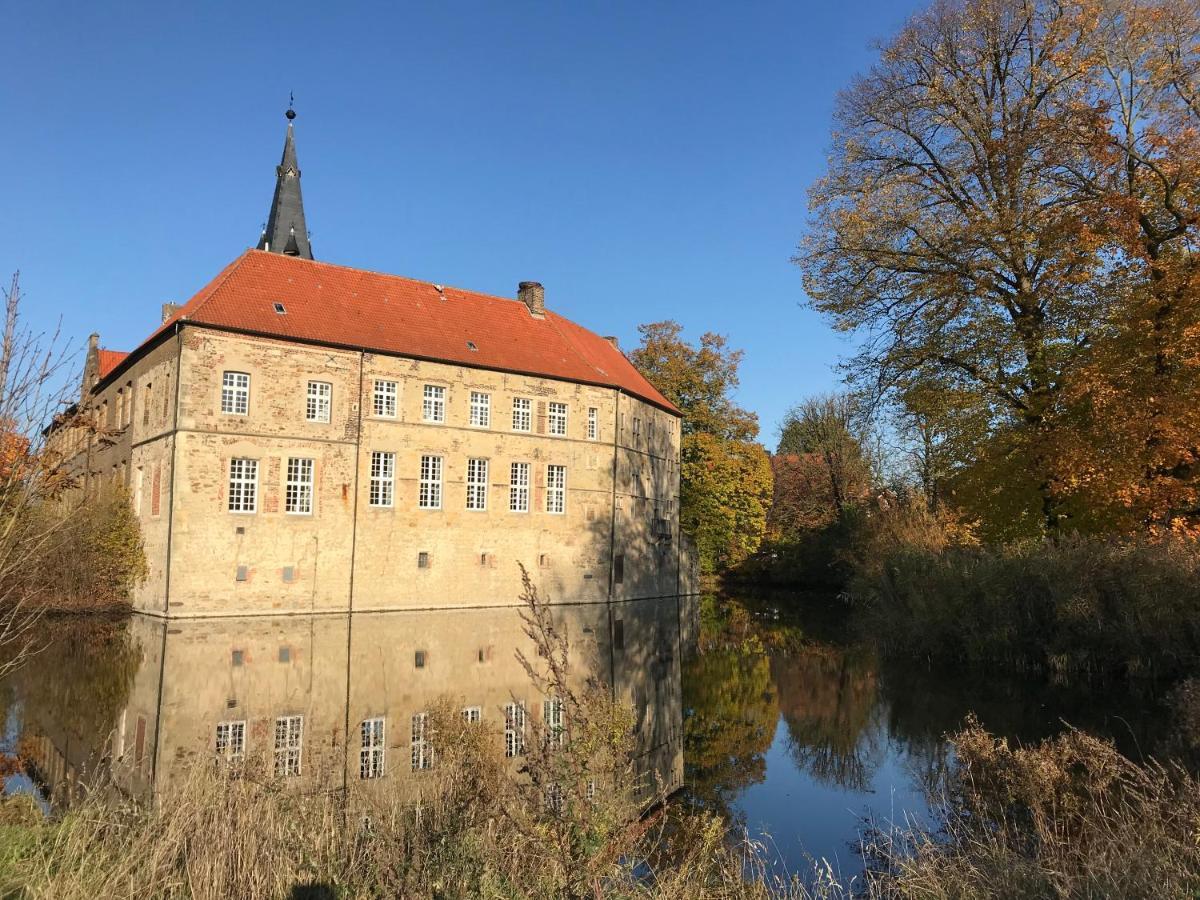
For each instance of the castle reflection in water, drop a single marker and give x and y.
(325, 698)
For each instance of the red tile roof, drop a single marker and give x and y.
(109, 360)
(337, 305)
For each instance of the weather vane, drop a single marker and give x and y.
(291, 113)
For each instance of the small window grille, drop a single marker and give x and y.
(481, 409)
(371, 755)
(430, 490)
(318, 403)
(383, 478)
(422, 748)
(477, 475)
(423, 560)
(522, 414)
(514, 729)
(298, 493)
(433, 404)
(556, 489)
(235, 393)
(289, 745)
(384, 399)
(558, 419)
(419, 659)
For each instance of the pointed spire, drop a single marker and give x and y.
(286, 231)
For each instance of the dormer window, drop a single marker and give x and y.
(279, 308)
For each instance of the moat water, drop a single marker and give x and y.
(798, 734)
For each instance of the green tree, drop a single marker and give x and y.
(945, 233)
(725, 474)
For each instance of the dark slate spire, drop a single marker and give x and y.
(286, 232)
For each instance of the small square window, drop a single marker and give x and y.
(285, 654)
(289, 574)
(238, 657)
(242, 573)
(419, 659)
(279, 308)
(423, 560)
(544, 561)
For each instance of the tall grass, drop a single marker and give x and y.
(1077, 605)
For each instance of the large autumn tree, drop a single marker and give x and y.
(946, 234)
(725, 474)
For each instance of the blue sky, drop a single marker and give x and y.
(644, 161)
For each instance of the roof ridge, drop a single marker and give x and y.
(392, 275)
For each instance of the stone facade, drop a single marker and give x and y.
(168, 441)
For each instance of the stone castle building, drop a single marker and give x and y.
(304, 437)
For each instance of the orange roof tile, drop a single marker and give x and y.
(109, 360)
(337, 305)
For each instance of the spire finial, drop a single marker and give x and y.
(291, 113)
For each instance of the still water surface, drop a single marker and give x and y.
(802, 734)
(787, 726)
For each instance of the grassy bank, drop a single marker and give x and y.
(1076, 606)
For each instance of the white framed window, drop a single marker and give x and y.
(556, 489)
(298, 490)
(383, 478)
(477, 476)
(319, 402)
(593, 423)
(429, 495)
(231, 741)
(554, 721)
(235, 393)
(243, 485)
(289, 745)
(557, 419)
(514, 729)
(433, 403)
(481, 409)
(384, 399)
(422, 749)
(371, 754)
(472, 714)
(518, 487)
(522, 414)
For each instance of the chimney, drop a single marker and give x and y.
(612, 339)
(533, 295)
(93, 341)
(169, 309)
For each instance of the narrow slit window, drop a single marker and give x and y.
(384, 399)
(518, 488)
(298, 493)
(481, 409)
(243, 485)
(383, 478)
(318, 405)
(235, 393)
(477, 476)
(433, 403)
(593, 423)
(430, 491)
